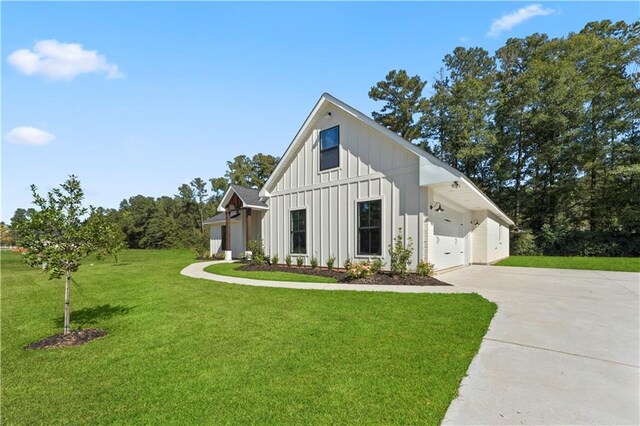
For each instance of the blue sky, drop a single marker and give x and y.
(174, 90)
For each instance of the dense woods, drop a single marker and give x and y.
(548, 127)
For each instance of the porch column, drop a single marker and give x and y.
(227, 230)
(248, 228)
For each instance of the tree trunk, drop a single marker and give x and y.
(67, 305)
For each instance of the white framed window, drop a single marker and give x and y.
(298, 231)
(330, 148)
(369, 224)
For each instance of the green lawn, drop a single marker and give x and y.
(627, 264)
(231, 270)
(189, 351)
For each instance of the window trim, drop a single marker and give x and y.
(357, 228)
(321, 151)
(306, 232)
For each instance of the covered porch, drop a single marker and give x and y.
(239, 221)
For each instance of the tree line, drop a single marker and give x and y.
(548, 127)
(169, 221)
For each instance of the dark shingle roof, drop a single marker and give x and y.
(217, 218)
(220, 217)
(248, 196)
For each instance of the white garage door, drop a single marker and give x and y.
(450, 240)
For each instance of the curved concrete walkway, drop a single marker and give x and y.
(196, 270)
(563, 348)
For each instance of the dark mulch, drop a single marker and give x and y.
(377, 279)
(74, 338)
(294, 269)
(386, 279)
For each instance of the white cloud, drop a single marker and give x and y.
(61, 61)
(27, 135)
(510, 20)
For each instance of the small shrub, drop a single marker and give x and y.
(218, 256)
(347, 264)
(400, 254)
(257, 252)
(376, 265)
(274, 259)
(300, 261)
(287, 260)
(330, 261)
(359, 270)
(424, 269)
(313, 262)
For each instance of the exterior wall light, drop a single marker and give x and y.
(438, 207)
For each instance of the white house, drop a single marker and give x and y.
(346, 185)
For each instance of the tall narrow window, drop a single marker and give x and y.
(299, 231)
(369, 227)
(330, 148)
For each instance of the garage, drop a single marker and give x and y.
(449, 232)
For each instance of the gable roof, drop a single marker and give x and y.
(446, 172)
(250, 197)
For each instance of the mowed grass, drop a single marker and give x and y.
(189, 351)
(625, 264)
(231, 270)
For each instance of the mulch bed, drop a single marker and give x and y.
(75, 338)
(381, 278)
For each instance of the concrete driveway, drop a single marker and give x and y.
(563, 348)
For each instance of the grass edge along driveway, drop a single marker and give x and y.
(623, 264)
(231, 270)
(185, 350)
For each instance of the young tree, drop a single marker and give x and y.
(110, 238)
(58, 235)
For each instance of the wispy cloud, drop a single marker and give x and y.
(27, 135)
(510, 20)
(61, 61)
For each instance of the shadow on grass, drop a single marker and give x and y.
(93, 315)
(121, 264)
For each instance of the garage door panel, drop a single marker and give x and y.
(450, 240)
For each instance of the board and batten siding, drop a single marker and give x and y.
(371, 167)
(489, 239)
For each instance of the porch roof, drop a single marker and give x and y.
(219, 218)
(249, 197)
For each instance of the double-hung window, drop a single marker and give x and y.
(330, 148)
(298, 231)
(369, 227)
